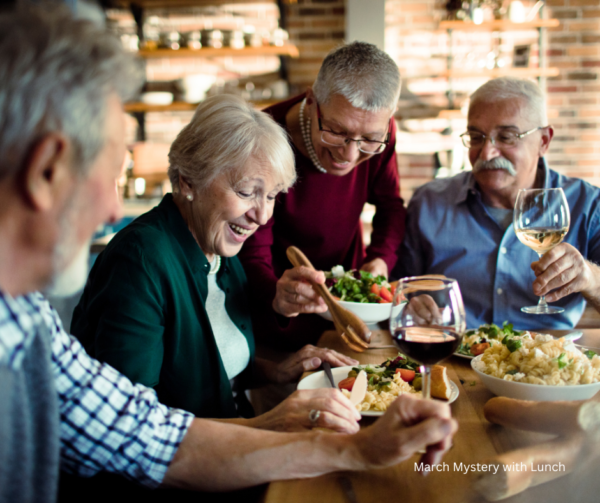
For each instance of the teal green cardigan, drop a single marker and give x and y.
(142, 312)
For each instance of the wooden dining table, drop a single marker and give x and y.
(476, 441)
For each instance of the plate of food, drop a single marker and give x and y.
(477, 340)
(387, 381)
(367, 296)
(533, 366)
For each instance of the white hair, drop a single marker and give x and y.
(512, 88)
(363, 74)
(224, 134)
(56, 74)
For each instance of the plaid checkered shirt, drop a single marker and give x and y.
(106, 422)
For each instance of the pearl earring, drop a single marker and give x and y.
(190, 197)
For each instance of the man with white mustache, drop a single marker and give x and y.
(462, 226)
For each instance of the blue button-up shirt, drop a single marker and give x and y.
(449, 231)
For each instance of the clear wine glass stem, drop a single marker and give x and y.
(542, 302)
(426, 381)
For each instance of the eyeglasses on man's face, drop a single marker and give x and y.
(367, 146)
(508, 138)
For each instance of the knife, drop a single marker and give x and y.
(346, 484)
(327, 369)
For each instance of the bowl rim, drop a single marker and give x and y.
(536, 386)
(370, 304)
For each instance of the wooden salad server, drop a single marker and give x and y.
(351, 328)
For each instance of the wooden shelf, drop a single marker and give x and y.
(502, 72)
(167, 4)
(209, 52)
(495, 72)
(500, 25)
(180, 106)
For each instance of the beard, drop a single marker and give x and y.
(495, 163)
(70, 259)
(71, 279)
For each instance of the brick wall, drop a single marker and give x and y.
(419, 48)
(574, 96)
(316, 27)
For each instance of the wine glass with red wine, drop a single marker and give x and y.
(427, 321)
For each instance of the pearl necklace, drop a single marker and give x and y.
(215, 265)
(307, 141)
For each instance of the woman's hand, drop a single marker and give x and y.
(336, 412)
(295, 293)
(307, 359)
(377, 267)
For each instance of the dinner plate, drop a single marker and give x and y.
(319, 380)
(460, 355)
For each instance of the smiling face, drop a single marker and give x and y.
(498, 182)
(339, 116)
(231, 209)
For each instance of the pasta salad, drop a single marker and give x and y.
(540, 359)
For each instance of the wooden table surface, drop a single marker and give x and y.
(476, 441)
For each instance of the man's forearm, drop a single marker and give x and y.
(214, 456)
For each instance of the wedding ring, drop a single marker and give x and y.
(313, 416)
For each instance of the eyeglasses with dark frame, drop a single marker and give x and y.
(472, 139)
(341, 140)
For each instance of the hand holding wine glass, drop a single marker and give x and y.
(427, 321)
(541, 221)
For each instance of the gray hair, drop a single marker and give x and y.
(363, 74)
(512, 88)
(223, 135)
(56, 74)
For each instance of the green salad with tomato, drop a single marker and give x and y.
(476, 341)
(358, 286)
(380, 376)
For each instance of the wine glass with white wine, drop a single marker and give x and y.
(541, 220)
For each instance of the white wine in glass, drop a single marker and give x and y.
(541, 220)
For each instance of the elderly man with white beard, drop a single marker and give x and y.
(62, 85)
(462, 226)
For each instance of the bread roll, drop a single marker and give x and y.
(557, 418)
(440, 384)
(507, 482)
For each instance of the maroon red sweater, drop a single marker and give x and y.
(321, 216)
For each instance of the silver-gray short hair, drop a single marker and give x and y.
(512, 88)
(223, 135)
(363, 74)
(56, 74)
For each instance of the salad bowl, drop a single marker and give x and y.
(369, 313)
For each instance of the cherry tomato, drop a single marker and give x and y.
(406, 374)
(477, 349)
(347, 383)
(385, 294)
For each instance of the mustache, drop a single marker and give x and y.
(495, 163)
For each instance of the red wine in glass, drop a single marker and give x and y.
(427, 321)
(427, 346)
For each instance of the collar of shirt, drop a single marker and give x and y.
(470, 185)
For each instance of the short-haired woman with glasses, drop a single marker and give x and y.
(343, 136)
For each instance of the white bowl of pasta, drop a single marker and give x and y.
(539, 368)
